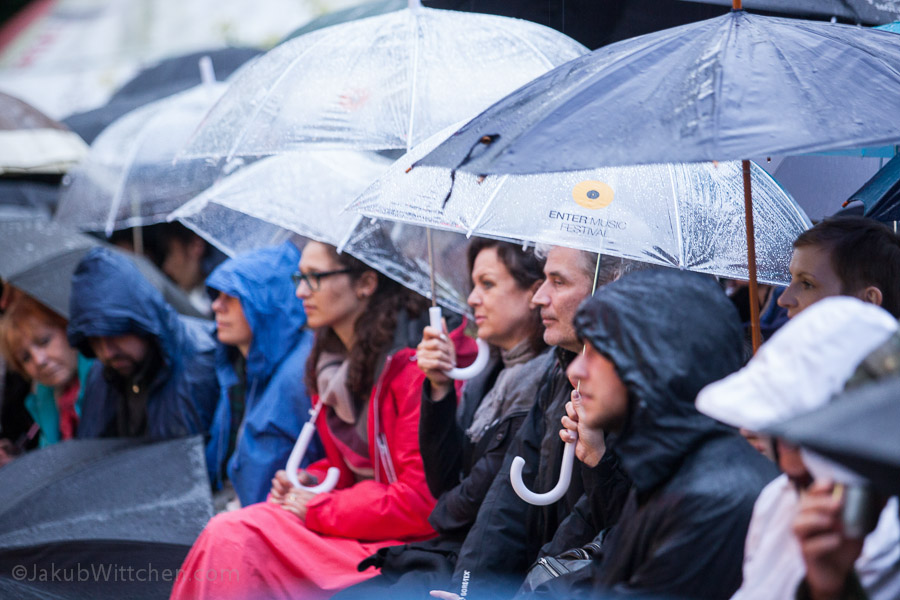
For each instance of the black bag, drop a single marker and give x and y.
(550, 567)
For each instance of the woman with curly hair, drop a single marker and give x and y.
(362, 367)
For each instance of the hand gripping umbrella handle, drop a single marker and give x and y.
(293, 463)
(565, 477)
(481, 361)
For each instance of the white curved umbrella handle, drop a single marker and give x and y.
(481, 361)
(293, 463)
(558, 491)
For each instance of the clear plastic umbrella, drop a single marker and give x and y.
(688, 216)
(304, 193)
(128, 178)
(388, 81)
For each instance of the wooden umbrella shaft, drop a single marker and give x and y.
(755, 331)
(736, 5)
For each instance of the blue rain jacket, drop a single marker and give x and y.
(110, 297)
(276, 403)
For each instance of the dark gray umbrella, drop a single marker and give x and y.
(97, 512)
(858, 430)
(881, 194)
(39, 258)
(727, 88)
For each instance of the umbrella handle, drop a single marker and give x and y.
(481, 361)
(565, 477)
(293, 463)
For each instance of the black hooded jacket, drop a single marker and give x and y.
(681, 533)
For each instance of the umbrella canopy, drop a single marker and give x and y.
(728, 88)
(377, 83)
(881, 194)
(165, 78)
(128, 179)
(303, 193)
(39, 258)
(689, 216)
(32, 142)
(104, 506)
(858, 430)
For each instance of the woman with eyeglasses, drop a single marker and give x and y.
(263, 345)
(464, 437)
(362, 367)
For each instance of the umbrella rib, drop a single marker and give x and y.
(678, 232)
(414, 22)
(267, 95)
(487, 205)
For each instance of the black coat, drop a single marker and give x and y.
(681, 533)
(509, 533)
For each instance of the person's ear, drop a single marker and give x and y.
(872, 295)
(366, 285)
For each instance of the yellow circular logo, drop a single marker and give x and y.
(592, 194)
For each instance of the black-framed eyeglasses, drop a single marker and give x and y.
(314, 280)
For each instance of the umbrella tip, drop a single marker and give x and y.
(207, 73)
(414, 5)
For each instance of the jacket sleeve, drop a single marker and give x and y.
(441, 441)
(457, 508)
(498, 543)
(375, 511)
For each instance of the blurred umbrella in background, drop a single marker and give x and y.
(304, 193)
(39, 258)
(32, 142)
(110, 507)
(382, 82)
(128, 178)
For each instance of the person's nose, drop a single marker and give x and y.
(303, 290)
(38, 356)
(101, 349)
(788, 298)
(577, 370)
(474, 298)
(541, 298)
(218, 305)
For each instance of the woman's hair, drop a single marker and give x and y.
(524, 266)
(373, 332)
(16, 323)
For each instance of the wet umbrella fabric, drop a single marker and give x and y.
(32, 142)
(128, 179)
(301, 192)
(377, 83)
(39, 258)
(104, 507)
(728, 88)
(688, 216)
(858, 430)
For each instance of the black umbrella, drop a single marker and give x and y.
(881, 193)
(858, 430)
(101, 518)
(39, 258)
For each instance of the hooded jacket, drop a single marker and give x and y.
(110, 298)
(681, 532)
(276, 404)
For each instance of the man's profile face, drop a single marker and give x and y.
(123, 354)
(604, 397)
(565, 285)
